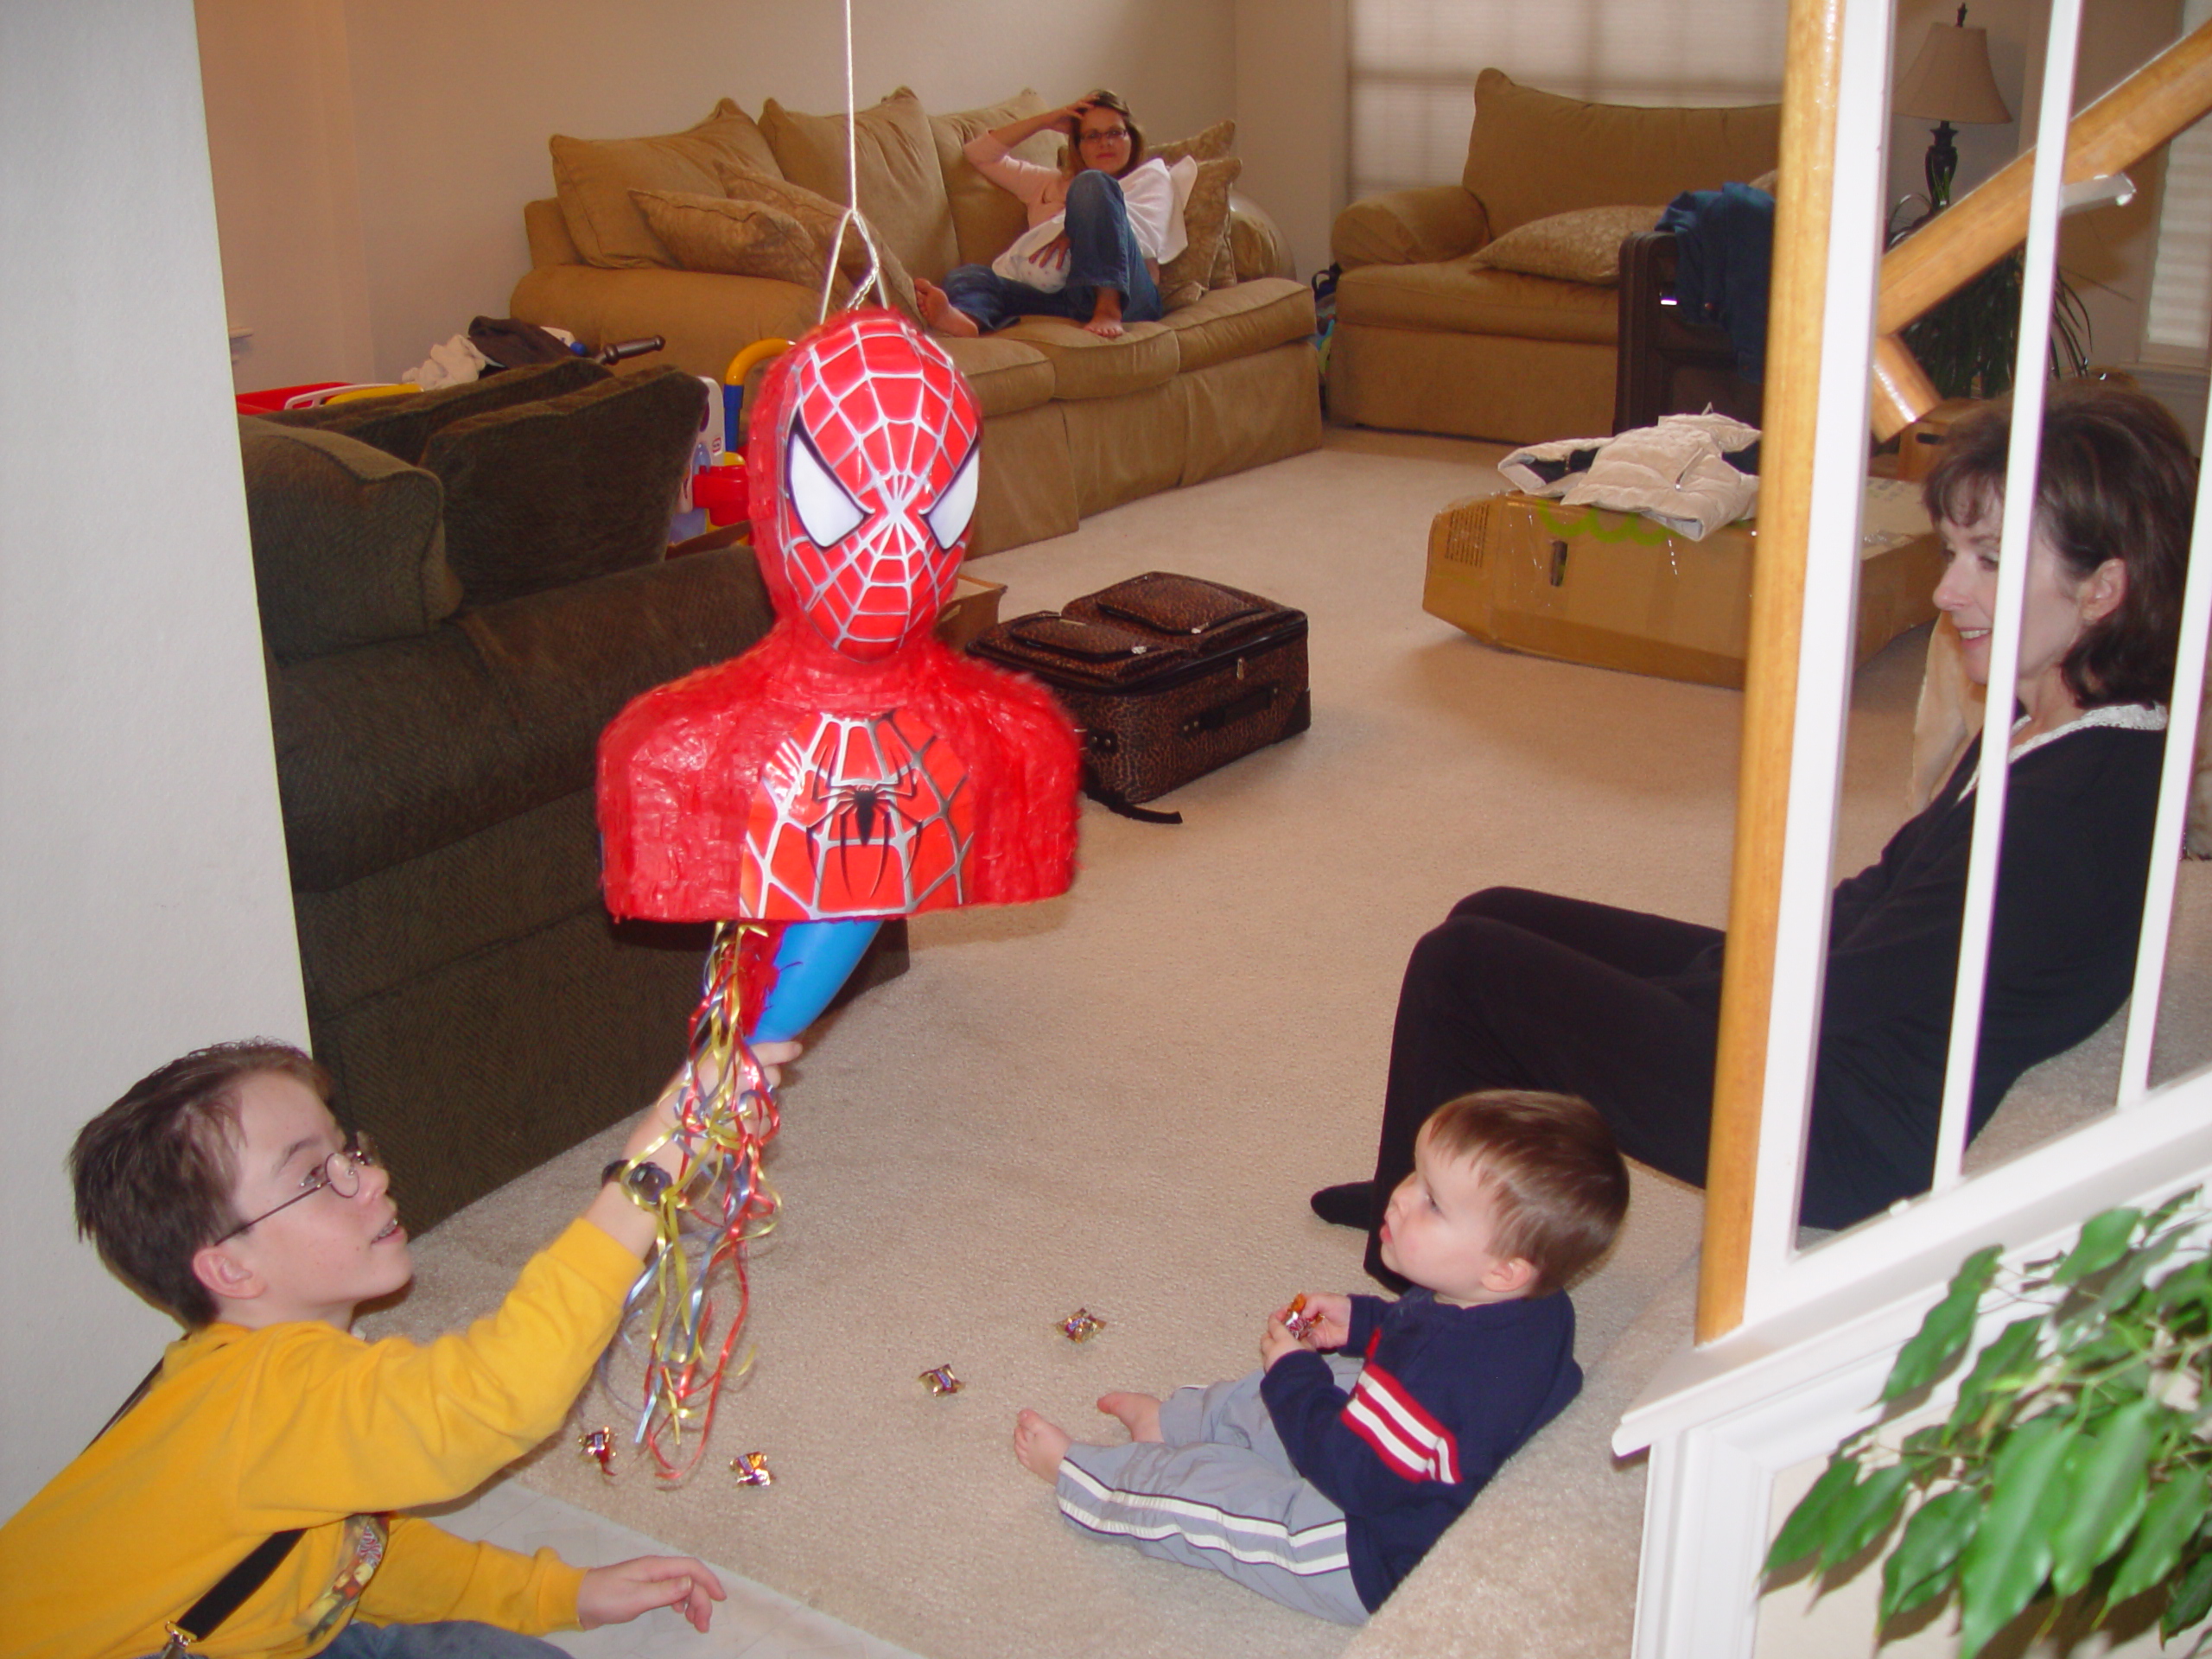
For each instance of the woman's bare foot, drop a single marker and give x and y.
(941, 314)
(1040, 1444)
(1105, 315)
(1138, 1412)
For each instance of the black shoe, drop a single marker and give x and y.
(1351, 1205)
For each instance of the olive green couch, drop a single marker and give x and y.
(457, 591)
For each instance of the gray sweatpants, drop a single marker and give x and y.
(1219, 1491)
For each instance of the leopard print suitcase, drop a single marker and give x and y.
(1167, 677)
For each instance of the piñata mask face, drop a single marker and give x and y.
(868, 437)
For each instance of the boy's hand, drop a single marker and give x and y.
(660, 1117)
(1276, 1341)
(617, 1594)
(1330, 1313)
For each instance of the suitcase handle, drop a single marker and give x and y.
(1228, 714)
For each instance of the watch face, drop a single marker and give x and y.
(648, 1181)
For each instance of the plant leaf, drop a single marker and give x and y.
(2009, 1557)
(1943, 1333)
(1862, 1514)
(2009, 1356)
(1808, 1527)
(1925, 1563)
(2191, 1601)
(2104, 1239)
(2100, 1495)
(2170, 1520)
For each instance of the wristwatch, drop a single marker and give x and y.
(642, 1183)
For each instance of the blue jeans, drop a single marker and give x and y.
(455, 1639)
(1103, 252)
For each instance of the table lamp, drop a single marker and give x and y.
(1950, 80)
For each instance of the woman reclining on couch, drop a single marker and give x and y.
(1117, 212)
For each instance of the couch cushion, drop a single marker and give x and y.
(986, 219)
(1206, 261)
(594, 178)
(1533, 154)
(348, 543)
(738, 239)
(552, 494)
(386, 753)
(821, 218)
(1583, 246)
(901, 186)
(1084, 365)
(1207, 144)
(402, 426)
(1256, 244)
(1241, 320)
(1454, 296)
(1005, 374)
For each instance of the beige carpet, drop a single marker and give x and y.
(1121, 1098)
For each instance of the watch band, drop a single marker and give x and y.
(642, 1183)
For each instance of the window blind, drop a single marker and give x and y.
(2179, 319)
(1414, 64)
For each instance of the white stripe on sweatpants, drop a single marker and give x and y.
(1245, 1537)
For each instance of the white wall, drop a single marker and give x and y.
(1292, 122)
(451, 103)
(143, 908)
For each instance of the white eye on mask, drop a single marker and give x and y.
(826, 510)
(948, 519)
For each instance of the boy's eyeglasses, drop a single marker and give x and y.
(340, 1172)
(1100, 134)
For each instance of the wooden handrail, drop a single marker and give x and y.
(1935, 262)
(1799, 289)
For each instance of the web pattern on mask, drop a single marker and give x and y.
(885, 413)
(863, 814)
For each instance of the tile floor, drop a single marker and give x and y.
(755, 1622)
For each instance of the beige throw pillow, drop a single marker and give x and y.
(902, 184)
(818, 216)
(737, 239)
(1583, 246)
(985, 218)
(1206, 145)
(1209, 261)
(594, 179)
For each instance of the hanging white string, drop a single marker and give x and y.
(872, 277)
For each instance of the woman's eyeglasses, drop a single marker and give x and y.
(340, 1172)
(1100, 134)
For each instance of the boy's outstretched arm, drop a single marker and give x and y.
(612, 1211)
(617, 1594)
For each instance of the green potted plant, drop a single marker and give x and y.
(1968, 343)
(2074, 1465)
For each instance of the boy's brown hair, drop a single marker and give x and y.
(1551, 1166)
(153, 1173)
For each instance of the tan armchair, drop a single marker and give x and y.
(1429, 339)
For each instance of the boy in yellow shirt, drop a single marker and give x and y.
(221, 1188)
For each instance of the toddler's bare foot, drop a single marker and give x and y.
(1040, 1444)
(941, 314)
(1139, 1412)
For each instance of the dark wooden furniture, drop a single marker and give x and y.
(1670, 363)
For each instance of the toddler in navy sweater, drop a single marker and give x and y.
(1322, 1479)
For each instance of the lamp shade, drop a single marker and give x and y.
(1950, 80)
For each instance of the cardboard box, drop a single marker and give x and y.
(1920, 446)
(972, 610)
(1616, 590)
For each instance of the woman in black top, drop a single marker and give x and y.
(1520, 989)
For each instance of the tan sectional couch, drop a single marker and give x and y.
(1429, 339)
(1074, 424)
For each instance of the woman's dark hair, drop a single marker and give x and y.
(1104, 98)
(2117, 482)
(153, 1172)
